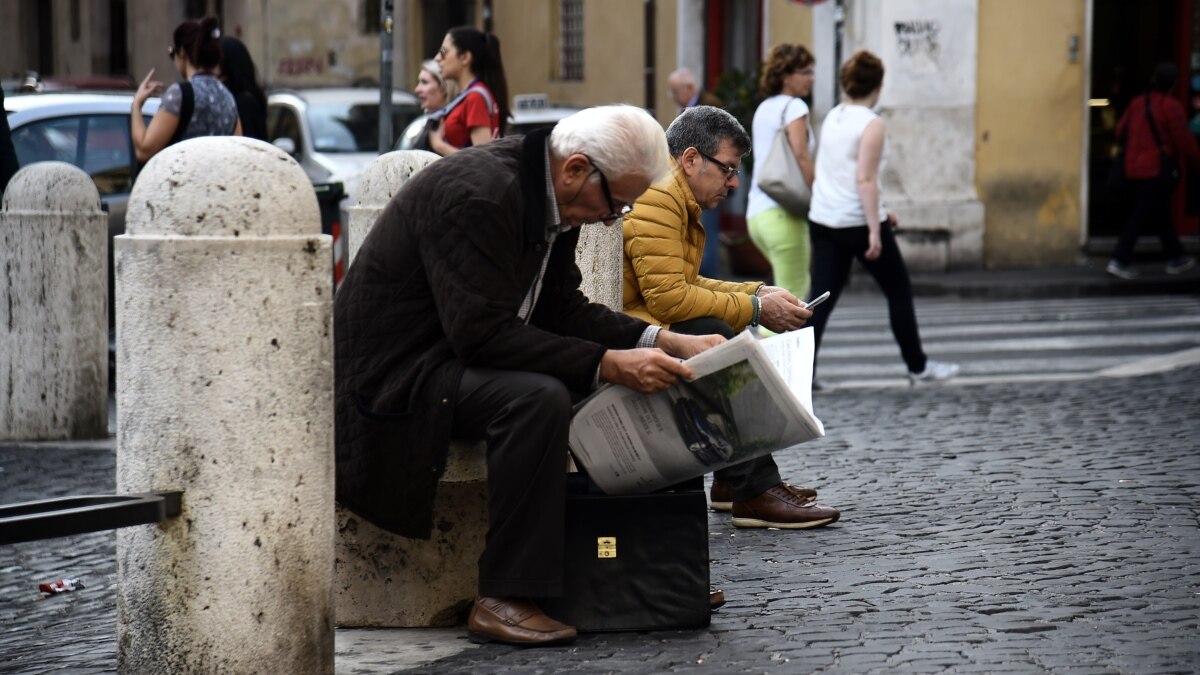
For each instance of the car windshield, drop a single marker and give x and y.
(342, 127)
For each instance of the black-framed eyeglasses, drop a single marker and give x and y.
(730, 172)
(613, 212)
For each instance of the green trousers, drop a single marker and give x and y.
(783, 238)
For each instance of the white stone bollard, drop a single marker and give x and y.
(53, 306)
(225, 392)
(600, 256)
(380, 181)
(387, 580)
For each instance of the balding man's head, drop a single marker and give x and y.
(683, 86)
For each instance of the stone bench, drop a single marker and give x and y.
(382, 579)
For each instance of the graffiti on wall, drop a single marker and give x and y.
(918, 37)
(300, 65)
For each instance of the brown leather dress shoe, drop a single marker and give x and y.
(515, 622)
(721, 495)
(785, 507)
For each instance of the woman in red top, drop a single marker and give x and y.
(471, 58)
(1154, 124)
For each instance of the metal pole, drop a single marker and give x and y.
(839, 30)
(649, 20)
(385, 76)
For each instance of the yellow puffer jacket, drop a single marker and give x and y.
(664, 242)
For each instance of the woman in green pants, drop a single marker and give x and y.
(783, 236)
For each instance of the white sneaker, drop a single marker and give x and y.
(1120, 271)
(1181, 265)
(935, 371)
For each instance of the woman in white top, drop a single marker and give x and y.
(782, 236)
(847, 218)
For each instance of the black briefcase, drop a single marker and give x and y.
(637, 562)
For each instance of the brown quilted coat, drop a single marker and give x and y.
(435, 288)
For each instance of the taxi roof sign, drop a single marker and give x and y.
(530, 102)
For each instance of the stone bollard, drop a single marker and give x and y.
(600, 255)
(225, 392)
(383, 579)
(53, 306)
(381, 180)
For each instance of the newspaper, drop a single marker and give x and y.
(750, 397)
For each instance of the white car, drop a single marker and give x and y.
(89, 130)
(334, 132)
(529, 112)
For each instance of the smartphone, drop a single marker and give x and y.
(817, 300)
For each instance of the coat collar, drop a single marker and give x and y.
(533, 184)
(689, 198)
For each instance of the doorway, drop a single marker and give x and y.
(1128, 40)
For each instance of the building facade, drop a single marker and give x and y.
(1000, 112)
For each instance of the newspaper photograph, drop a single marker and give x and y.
(750, 397)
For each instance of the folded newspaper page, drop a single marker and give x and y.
(750, 397)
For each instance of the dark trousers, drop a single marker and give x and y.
(1151, 209)
(833, 251)
(710, 262)
(524, 418)
(752, 477)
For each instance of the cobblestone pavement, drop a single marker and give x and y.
(1032, 527)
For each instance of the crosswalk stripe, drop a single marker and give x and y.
(1014, 340)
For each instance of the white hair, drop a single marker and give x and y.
(449, 87)
(682, 76)
(620, 139)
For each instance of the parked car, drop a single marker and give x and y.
(529, 112)
(334, 132)
(89, 130)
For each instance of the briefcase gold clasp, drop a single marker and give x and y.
(606, 547)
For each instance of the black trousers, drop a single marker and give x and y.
(833, 251)
(524, 417)
(752, 477)
(1151, 209)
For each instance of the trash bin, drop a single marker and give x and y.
(329, 197)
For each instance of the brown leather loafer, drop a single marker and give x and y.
(716, 599)
(515, 622)
(785, 507)
(721, 495)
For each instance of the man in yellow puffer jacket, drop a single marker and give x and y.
(664, 242)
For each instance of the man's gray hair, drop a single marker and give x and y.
(682, 76)
(621, 140)
(703, 127)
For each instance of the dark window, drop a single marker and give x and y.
(370, 16)
(118, 40)
(571, 39)
(106, 154)
(439, 16)
(342, 127)
(98, 144)
(75, 20)
(282, 122)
